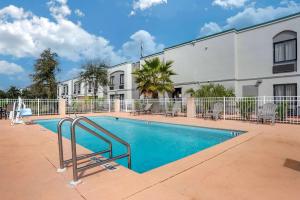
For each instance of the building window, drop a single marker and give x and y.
(287, 93)
(77, 88)
(285, 90)
(90, 86)
(121, 86)
(65, 90)
(111, 82)
(285, 52)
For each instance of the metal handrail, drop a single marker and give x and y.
(76, 122)
(63, 162)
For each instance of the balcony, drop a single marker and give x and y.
(121, 87)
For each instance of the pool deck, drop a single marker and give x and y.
(263, 163)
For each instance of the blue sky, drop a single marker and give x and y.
(113, 30)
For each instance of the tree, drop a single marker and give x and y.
(95, 72)
(27, 94)
(13, 92)
(2, 94)
(44, 77)
(154, 77)
(211, 90)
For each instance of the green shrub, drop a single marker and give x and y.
(282, 110)
(246, 107)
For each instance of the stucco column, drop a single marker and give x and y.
(191, 107)
(62, 107)
(117, 105)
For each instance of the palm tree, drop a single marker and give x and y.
(95, 72)
(211, 90)
(44, 80)
(154, 77)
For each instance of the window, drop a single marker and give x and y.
(65, 90)
(90, 87)
(121, 81)
(77, 88)
(111, 82)
(285, 90)
(287, 93)
(285, 51)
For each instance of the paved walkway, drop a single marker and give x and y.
(261, 164)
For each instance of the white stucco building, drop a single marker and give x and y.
(261, 60)
(122, 85)
(256, 61)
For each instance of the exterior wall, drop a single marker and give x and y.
(255, 57)
(234, 59)
(205, 61)
(129, 90)
(266, 87)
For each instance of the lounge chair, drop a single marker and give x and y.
(9, 108)
(215, 113)
(137, 109)
(148, 108)
(268, 112)
(175, 109)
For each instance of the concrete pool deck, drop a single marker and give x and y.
(263, 163)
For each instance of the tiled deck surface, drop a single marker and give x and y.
(261, 164)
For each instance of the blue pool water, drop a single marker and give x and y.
(152, 144)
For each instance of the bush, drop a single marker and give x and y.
(246, 107)
(282, 110)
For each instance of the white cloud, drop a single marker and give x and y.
(132, 48)
(59, 8)
(230, 3)
(252, 15)
(210, 28)
(8, 68)
(145, 4)
(79, 13)
(26, 35)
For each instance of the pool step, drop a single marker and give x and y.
(107, 166)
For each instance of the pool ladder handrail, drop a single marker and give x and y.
(76, 122)
(62, 162)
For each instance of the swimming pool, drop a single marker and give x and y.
(152, 144)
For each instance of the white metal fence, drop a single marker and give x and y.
(234, 108)
(38, 106)
(159, 106)
(89, 106)
(247, 108)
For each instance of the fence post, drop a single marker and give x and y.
(190, 107)
(117, 105)
(108, 105)
(62, 107)
(224, 104)
(91, 105)
(38, 108)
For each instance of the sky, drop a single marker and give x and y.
(113, 30)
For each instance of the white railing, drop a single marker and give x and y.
(247, 108)
(89, 106)
(159, 106)
(38, 106)
(234, 108)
